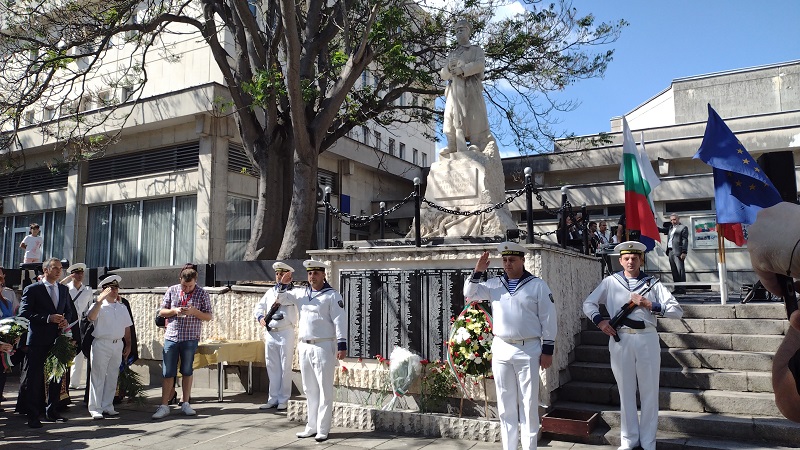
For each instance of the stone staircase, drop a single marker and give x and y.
(715, 387)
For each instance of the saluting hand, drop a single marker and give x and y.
(483, 263)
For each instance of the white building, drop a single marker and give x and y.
(761, 105)
(175, 186)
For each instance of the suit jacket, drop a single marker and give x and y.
(680, 240)
(36, 305)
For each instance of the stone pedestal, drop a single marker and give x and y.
(465, 181)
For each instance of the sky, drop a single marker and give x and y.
(673, 39)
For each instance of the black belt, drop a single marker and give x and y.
(635, 324)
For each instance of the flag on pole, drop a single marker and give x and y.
(639, 179)
(741, 188)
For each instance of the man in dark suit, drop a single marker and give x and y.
(49, 308)
(677, 246)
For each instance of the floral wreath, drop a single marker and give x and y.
(469, 348)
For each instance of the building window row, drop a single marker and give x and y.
(144, 233)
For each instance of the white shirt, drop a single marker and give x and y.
(33, 246)
(111, 321)
(81, 297)
(289, 311)
(322, 314)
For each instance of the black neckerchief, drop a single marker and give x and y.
(525, 278)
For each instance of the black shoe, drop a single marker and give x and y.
(55, 417)
(34, 423)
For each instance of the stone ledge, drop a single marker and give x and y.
(359, 417)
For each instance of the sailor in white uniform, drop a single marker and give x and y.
(322, 338)
(636, 358)
(279, 337)
(81, 295)
(524, 327)
(112, 323)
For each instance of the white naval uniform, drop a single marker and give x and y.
(279, 346)
(524, 327)
(322, 330)
(106, 355)
(82, 299)
(637, 356)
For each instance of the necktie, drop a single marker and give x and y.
(54, 295)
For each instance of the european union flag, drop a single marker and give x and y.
(740, 187)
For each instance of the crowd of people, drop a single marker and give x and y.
(313, 320)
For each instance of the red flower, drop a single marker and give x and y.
(360, 360)
(480, 337)
(468, 320)
(344, 369)
(452, 319)
(468, 341)
(477, 355)
(424, 362)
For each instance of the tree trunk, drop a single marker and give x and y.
(299, 233)
(273, 203)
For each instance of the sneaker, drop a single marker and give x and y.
(96, 415)
(283, 406)
(187, 409)
(161, 412)
(306, 433)
(268, 406)
(111, 412)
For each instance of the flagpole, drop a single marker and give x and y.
(723, 273)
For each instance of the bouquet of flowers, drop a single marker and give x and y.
(470, 343)
(11, 328)
(404, 368)
(60, 357)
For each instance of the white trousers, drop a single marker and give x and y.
(636, 362)
(105, 358)
(317, 364)
(76, 371)
(278, 353)
(516, 379)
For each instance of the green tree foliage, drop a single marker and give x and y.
(293, 70)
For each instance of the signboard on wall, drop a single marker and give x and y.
(704, 233)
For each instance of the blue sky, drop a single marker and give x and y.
(674, 39)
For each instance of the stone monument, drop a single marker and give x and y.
(469, 176)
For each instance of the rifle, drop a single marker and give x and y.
(625, 311)
(270, 314)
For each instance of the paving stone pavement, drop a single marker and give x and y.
(236, 423)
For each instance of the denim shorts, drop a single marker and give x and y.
(172, 351)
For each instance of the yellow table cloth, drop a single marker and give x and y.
(214, 352)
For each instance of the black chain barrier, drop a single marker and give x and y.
(361, 220)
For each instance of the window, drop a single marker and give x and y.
(402, 154)
(415, 156)
(378, 141)
(364, 79)
(690, 206)
(29, 118)
(238, 226)
(365, 132)
(68, 108)
(49, 113)
(125, 93)
(104, 98)
(144, 233)
(424, 159)
(391, 146)
(14, 228)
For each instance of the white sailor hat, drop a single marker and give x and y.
(311, 264)
(630, 247)
(77, 267)
(511, 249)
(277, 265)
(111, 280)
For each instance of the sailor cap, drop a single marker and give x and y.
(111, 280)
(311, 264)
(511, 249)
(277, 265)
(630, 247)
(77, 267)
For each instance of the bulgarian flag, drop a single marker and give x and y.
(639, 179)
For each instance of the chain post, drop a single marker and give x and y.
(585, 229)
(529, 204)
(562, 221)
(328, 223)
(383, 218)
(417, 200)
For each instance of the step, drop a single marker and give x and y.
(740, 342)
(724, 326)
(678, 399)
(689, 378)
(772, 310)
(764, 432)
(680, 441)
(690, 358)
